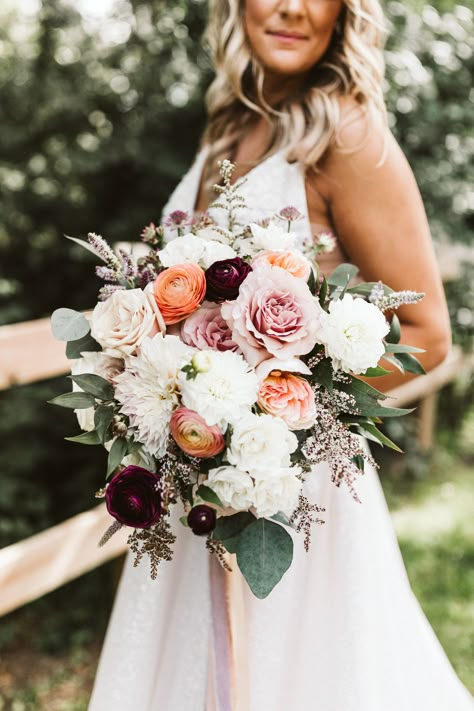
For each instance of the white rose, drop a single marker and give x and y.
(279, 491)
(214, 252)
(188, 248)
(94, 364)
(121, 323)
(273, 237)
(233, 486)
(260, 443)
(352, 333)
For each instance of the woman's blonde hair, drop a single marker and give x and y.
(307, 123)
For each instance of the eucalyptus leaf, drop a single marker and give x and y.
(207, 494)
(400, 348)
(95, 385)
(86, 344)
(116, 454)
(342, 275)
(264, 554)
(230, 526)
(74, 401)
(280, 517)
(85, 438)
(69, 325)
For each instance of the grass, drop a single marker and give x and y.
(49, 649)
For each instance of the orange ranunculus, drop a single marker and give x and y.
(179, 290)
(293, 262)
(288, 396)
(194, 436)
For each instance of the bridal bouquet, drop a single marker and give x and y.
(217, 369)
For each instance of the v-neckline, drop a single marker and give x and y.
(199, 166)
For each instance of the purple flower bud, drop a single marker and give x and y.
(223, 279)
(133, 497)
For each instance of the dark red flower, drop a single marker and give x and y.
(223, 278)
(133, 497)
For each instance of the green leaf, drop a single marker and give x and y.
(367, 400)
(393, 336)
(116, 454)
(69, 325)
(374, 434)
(311, 282)
(95, 385)
(280, 517)
(184, 521)
(74, 401)
(323, 291)
(209, 495)
(411, 364)
(375, 372)
(230, 526)
(264, 554)
(366, 287)
(342, 275)
(359, 461)
(322, 373)
(400, 348)
(102, 419)
(74, 349)
(394, 361)
(85, 438)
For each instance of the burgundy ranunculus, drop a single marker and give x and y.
(133, 497)
(223, 278)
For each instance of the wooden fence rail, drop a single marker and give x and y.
(44, 562)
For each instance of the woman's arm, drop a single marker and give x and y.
(379, 217)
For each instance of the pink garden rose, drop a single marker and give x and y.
(206, 328)
(288, 396)
(274, 314)
(194, 436)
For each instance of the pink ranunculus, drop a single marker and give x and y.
(194, 436)
(291, 261)
(275, 314)
(207, 328)
(288, 396)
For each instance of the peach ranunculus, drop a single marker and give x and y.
(179, 290)
(194, 436)
(288, 396)
(293, 262)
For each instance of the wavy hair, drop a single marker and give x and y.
(307, 123)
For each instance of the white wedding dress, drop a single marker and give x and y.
(342, 631)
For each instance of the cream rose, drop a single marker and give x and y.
(233, 486)
(121, 323)
(278, 491)
(260, 443)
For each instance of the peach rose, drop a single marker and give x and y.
(179, 290)
(288, 396)
(194, 436)
(293, 262)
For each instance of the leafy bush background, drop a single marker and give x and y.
(98, 125)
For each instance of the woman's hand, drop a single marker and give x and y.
(378, 215)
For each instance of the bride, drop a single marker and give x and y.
(297, 105)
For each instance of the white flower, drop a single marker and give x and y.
(222, 393)
(214, 252)
(260, 443)
(188, 248)
(233, 486)
(148, 389)
(326, 243)
(279, 491)
(94, 364)
(352, 333)
(121, 323)
(273, 237)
